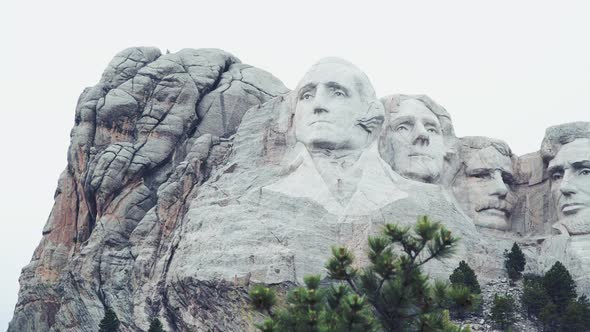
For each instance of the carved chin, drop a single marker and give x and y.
(577, 224)
(493, 219)
(422, 172)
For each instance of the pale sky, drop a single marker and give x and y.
(503, 69)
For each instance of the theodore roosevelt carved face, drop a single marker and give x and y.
(336, 107)
(482, 184)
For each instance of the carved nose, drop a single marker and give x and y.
(421, 135)
(318, 110)
(422, 139)
(500, 189)
(566, 187)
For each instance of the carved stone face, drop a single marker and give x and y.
(417, 142)
(483, 188)
(329, 106)
(570, 185)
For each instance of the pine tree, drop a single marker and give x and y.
(503, 311)
(576, 317)
(110, 322)
(559, 285)
(550, 317)
(156, 326)
(534, 296)
(390, 294)
(462, 300)
(514, 261)
(262, 297)
(464, 275)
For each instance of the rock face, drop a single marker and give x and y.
(191, 175)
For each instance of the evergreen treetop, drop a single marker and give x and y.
(156, 326)
(560, 285)
(390, 294)
(514, 262)
(503, 311)
(110, 322)
(464, 275)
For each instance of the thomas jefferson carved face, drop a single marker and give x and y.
(329, 105)
(569, 172)
(417, 141)
(483, 187)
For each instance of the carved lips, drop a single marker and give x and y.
(571, 207)
(499, 208)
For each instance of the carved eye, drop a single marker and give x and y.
(306, 96)
(401, 128)
(481, 176)
(339, 93)
(585, 171)
(432, 130)
(508, 179)
(556, 176)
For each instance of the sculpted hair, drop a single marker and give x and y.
(557, 136)
(362, 83)
(464, 147)
(392, 104)
(467, 144)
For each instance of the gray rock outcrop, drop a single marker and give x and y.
(191, 175)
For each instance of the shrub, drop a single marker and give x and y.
(502, 311)
(156, 326)
(110, 322)
(464, 275)
(559, 285)
(514, 261)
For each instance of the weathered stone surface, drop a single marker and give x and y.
(482, 180)
(134, 149)
(191, 175)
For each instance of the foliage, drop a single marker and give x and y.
(156, 326)
(576, 317)
(550, 317)
(262, 297)
(462, 300)
(514, 262)
(534, 296)
(503, 311)
(390, 294)
(552, 298)
(464, 275)
(559, 285)
(110, 322)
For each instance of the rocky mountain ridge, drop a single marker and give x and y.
(188, 178)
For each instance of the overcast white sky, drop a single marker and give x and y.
(504, 69)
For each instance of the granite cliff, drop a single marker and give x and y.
(191, 175)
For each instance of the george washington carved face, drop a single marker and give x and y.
(333, 100)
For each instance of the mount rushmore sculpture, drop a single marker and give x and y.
(191, 175)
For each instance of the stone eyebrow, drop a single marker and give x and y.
(581, 164)
(478, 170)
(306, 87)
(555, 169)
(432, 123)
(336, 85)
(403, 119)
